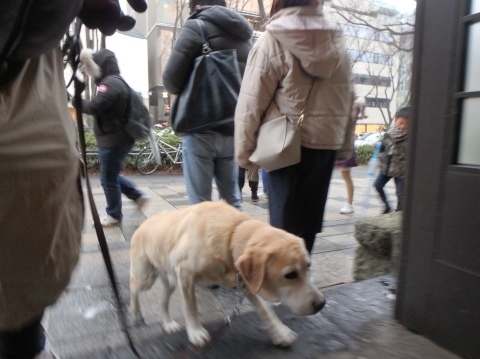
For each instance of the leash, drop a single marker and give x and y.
(220, 331)
(72, 50)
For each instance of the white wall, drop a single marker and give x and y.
(132, 56)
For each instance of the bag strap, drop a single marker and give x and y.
(204, 33)
(304, 111)
(74, 60)
(206, 49)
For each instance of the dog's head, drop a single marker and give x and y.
(274, 265)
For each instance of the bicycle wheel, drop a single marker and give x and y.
(180, 160)
(145, 162)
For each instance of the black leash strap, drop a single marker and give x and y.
(96, 219)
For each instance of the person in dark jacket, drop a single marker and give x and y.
(209, 154)
(109, 107)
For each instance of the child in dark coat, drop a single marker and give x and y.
(393, 158)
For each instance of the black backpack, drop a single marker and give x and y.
(138, 120)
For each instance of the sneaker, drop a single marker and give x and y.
(109, 221)
(255, 197)
(142, 201)
(347, 209)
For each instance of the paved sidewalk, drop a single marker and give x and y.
(356, 323)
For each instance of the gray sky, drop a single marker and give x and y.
(404, 6)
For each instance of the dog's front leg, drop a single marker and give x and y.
(280, 333)
(169, 325)
(197, 334)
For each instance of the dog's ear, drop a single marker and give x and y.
(252, 268)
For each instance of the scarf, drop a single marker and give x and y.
(396, 133)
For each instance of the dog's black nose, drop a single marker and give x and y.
(318, 304)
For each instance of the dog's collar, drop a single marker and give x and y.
(240, 282)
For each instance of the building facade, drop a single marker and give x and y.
(378, 65)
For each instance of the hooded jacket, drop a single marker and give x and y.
(226, 29)
(300, 52)
(109, 106)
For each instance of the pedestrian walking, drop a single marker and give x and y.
(393, 158)
(209, 154)
(253, 179)
(344, 167)
(358, 112)
(301, 56)
(109, 108)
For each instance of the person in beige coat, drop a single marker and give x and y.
(299, 62)
(41, 205)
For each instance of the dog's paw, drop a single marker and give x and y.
(284, 336)
(171, 327)
(198, 337)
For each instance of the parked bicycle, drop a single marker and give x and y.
(146, 163)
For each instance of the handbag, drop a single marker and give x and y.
(279, 142)
(210, 96)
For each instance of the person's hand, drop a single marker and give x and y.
(107, 16)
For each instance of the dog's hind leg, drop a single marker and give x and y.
(169, 325)
(142, 277)
(281, 334)
(197, 334)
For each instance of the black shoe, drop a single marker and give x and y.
(254, 197)
(387, 210)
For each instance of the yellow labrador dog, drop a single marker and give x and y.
(210, 243)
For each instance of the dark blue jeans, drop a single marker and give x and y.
(210, 155)
(265, 180)
(24, 343)
(111, 160)
(381, 181)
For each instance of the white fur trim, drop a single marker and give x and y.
(360, 101)
(91, 67)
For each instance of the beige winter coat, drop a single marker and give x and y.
(41, 210)
(298, 46)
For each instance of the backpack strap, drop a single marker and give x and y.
(127, 103)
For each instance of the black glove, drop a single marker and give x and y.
(107, 16)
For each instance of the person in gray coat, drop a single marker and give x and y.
(209, 154)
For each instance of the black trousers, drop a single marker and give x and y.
(24, 343)
(241, 181)
(380, 183)
(298, 194)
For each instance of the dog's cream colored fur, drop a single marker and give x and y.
(210, 242)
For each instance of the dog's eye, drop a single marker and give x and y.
(291, 275)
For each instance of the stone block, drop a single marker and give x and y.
(375, 233)
(368, 264)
